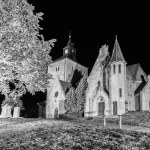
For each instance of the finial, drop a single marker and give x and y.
(69, 41)
(116, 37)
(70, 34)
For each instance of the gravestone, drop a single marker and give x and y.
(16, 113)
(6, 111)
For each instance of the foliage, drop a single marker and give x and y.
(80, 94)
(24, 54)
(70, 102)
(137, 118)
(75, 99)
(61, 135)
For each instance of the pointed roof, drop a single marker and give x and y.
(69, 41)
(136, 71)
(133, 69)
(117, 53)
(128, 73)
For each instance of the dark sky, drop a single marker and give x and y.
(92, 25)
(95, 24)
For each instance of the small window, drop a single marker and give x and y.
(119, 68)
(56, 94)
(120, 92)
(58, 68)
(99, 84)
(126, 106)
(114, 68)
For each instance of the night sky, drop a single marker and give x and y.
(93, 25)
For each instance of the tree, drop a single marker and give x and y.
(24, 54)
(80, 94)
(70, 102)
(75, 98)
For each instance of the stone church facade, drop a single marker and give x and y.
(65, 71)
(115, 88)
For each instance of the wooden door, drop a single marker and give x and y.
(137, 103)
(56, 113)
(101, 108)
(115, 108)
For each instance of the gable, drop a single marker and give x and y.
(140, 73)
(136, 72)
(71, 67)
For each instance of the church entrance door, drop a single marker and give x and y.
(115, 108)
(137, 103)
(56, 113)
(101, 108)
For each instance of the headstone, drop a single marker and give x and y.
(104, 117)
(120, 121)
(6, 111)
(16, 113)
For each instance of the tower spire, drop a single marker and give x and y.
(117, 53)
(69, 41)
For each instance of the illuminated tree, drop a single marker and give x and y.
(80, 94)
(70, 102)
(24, 54)
(75, 99)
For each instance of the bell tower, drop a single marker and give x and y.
(69, 50)
(117, 80)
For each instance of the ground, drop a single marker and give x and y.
(68, 134)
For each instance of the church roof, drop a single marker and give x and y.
(133, 70)
(117, 53)
(65, 85)
(136, 71)
(128, 73)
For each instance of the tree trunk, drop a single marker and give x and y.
(16, 113)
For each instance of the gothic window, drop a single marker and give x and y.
(120, 92)
(119, 68)
(56, 94)
(114, 68)
(99, 84)
(126, 106)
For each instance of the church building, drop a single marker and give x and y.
(66, 72)
(115, 88)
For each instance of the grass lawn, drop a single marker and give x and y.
(42, 134)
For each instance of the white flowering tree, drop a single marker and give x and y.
(24, 54)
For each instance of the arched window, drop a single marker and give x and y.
(114, 67)
(98, 85)
(119, 68)
(120, 92)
